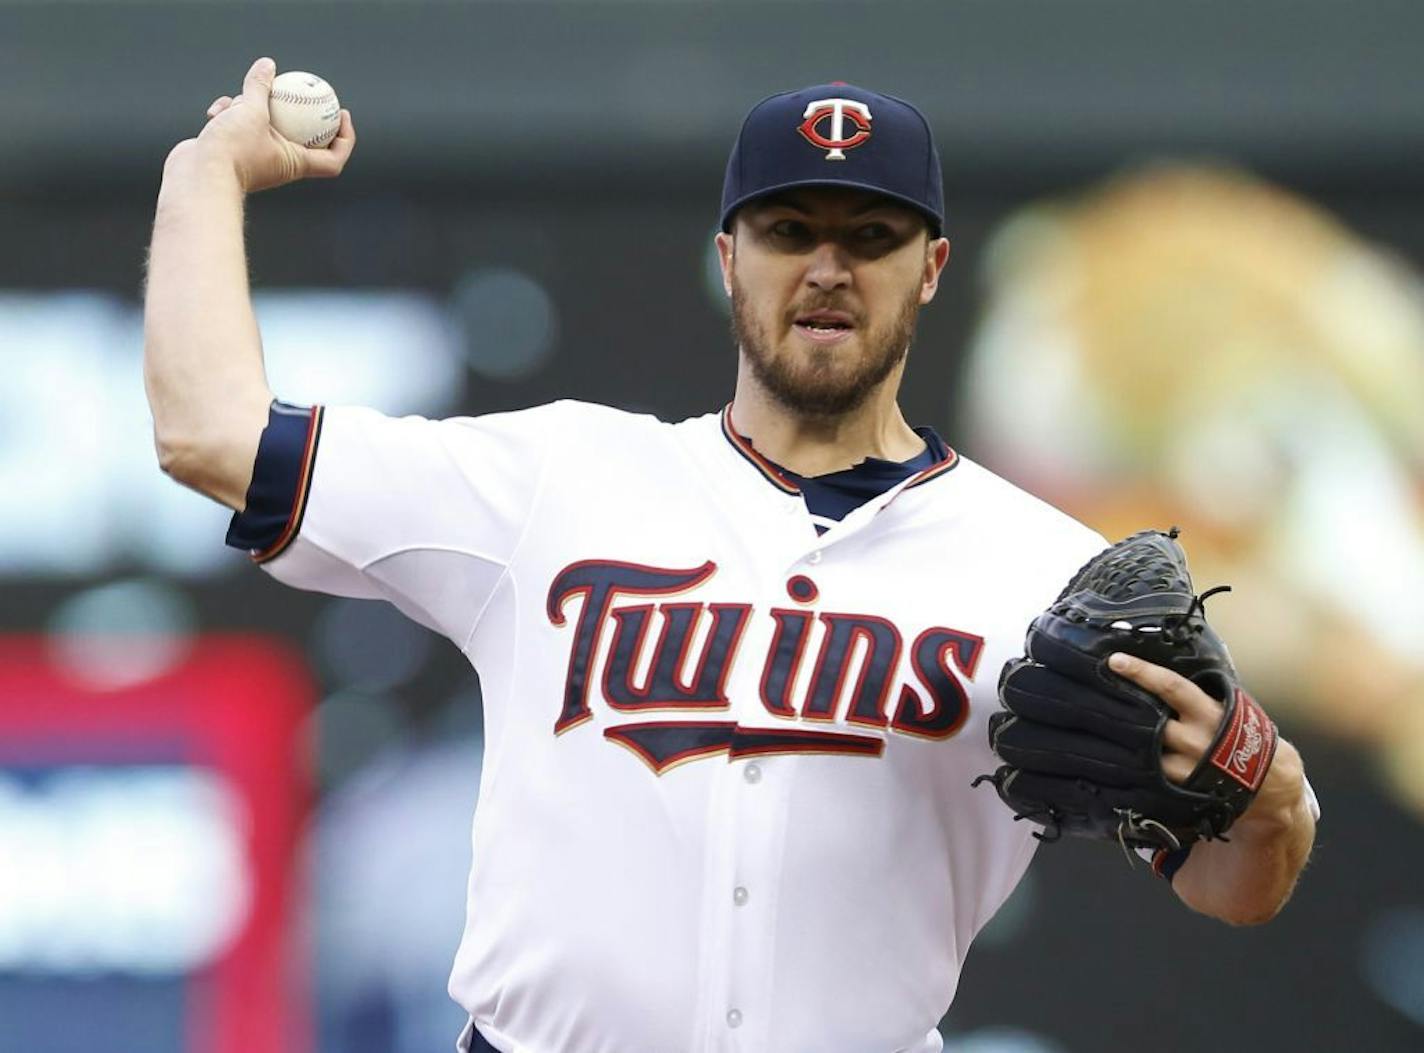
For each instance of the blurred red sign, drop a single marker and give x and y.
(175, 807)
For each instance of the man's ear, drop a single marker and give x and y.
(936, 256)
(725, 242)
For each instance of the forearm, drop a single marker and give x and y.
(1247, 880)
(202, 351)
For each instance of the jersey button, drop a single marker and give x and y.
(739, 896)
(752, 773)
(734, 1018)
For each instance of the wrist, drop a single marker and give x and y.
(195, 164)
(1282, 796)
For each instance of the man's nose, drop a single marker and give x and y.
(828, 267)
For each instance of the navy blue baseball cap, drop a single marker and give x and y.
(836, 135)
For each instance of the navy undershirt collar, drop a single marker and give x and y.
(836, 494)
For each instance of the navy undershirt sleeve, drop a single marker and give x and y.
(278, 473)
(1172, 862)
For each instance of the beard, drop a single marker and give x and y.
(819, 383)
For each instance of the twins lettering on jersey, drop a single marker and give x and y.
(639, 676)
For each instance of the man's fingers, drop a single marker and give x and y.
(1189, 701)
(325, 163)
(257, 85)
(1177, 768)
(1191, 740)
(221, 103)
(1186, 739)
(345, 140)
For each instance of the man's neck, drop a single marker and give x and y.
(813, 446)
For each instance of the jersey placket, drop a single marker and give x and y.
(746, 803)
(750, 797)
(746, 815)
(740, 904)
(745, 883)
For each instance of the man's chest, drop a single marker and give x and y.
(707, 634)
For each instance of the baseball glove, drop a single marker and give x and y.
(1081, 746)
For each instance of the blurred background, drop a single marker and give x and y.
(1184, 289)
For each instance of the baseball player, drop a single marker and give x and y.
(737, 670)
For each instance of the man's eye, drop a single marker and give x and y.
(788, 228)
(875, 232)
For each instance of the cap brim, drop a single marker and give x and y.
(936, 223)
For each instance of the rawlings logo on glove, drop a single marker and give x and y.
(1082, 746)
(1248, 743)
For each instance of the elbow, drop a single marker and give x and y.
(1247, 913)
(219, 467)
(178, 458)
(1236, 900)
(211, 453)
(1248, 919)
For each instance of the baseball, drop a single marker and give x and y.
(304, 109)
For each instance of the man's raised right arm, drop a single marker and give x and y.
(203, 371)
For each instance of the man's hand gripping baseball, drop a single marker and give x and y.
(239, 129)
(202, 352)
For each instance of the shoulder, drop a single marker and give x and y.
(595, 423)
(1029, 511)
(1025, 526)
(576, 414)
(559, 413)
(564, 431)
(551, 422)
(573, 437)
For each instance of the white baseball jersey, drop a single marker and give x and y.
(725, 802)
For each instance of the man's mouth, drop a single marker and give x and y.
(825, 326)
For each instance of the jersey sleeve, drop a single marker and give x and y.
(424, 513)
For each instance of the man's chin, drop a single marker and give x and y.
(815, 364)
(815, 382)
(820, 396)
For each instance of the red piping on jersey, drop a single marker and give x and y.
(299, 506)
(743, 446)
(777, 478)
(934, 471)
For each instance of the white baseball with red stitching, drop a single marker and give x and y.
(304, 109)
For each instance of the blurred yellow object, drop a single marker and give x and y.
(1191, 345)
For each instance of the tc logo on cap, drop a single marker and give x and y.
(837, 110)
